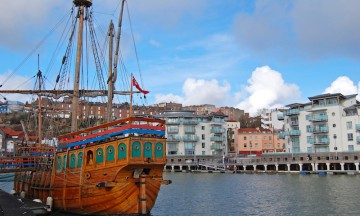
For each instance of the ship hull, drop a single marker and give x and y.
(119, 176)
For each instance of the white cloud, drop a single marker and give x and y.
(161, 98)
(343, 85)
(267, 89)
(200, 91)
(205, 92)
(15, 83)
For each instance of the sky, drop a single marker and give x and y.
(249, 54)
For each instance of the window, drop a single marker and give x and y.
(203, 152)
(269, 137)
(350, 137)
(203, 145)
(202, 127)
(351, 147)
(202, 136)
(245, 145)
(256, 145)
(244, 137)
(349, 125)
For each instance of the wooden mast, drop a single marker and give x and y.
(81, 4)
(39, 103)
(110, 79)
(131, 114)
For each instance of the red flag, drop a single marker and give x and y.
(136, 84)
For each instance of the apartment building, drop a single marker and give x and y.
(328, 123)
(269, 119)
(191, 134)
(250, 141)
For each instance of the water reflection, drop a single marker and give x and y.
(258, 194)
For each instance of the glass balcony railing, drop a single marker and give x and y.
(189, 131)
(357, 126)
(188, 138)
(172, 121)
(323, 129)
(294, 133)
(317, 118)
(292, 112)
(280, 116)
(281, 135)
(216, 147)
(190, 121)
(321, 141)
(217, 139)
(173, 139)
(172, 131)
(217, 130)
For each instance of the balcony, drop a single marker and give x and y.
(190, 138)
(358, 139)
(357, 126)
(217, 130)
(217, 139)
(280, 117)
(281, 135)
(321, 141)
(172, 138)
(216, 147)
(324, 129)
(190, 122)
(172, 121)
(292, 112)
(294, 123)
(294, 133)
(172, 131)
(217, 121)
(189, 131)
(317, 118)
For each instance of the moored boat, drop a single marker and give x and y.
(111, 168)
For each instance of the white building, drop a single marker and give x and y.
(269, 119)
(190, 134)
(329, 122)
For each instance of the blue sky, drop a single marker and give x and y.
(245, 54)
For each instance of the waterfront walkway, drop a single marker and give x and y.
(331, 163)
(11, 206)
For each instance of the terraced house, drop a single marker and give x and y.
(328, 123)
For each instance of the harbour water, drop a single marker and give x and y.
(258, 194)
(255, 194)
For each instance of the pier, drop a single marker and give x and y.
(302, 163)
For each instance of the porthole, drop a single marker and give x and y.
(99, 153)
(148, 148)
(80, 157)
(122, 148)
(110, 150)
(72, 158)
(158, 148)
(136, 147)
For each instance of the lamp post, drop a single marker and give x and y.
(335, 148)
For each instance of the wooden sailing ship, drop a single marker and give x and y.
(112, 168)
